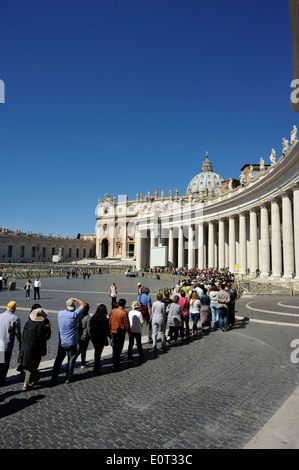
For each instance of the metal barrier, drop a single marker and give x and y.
(266, 288)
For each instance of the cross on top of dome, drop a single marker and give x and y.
(207, 165)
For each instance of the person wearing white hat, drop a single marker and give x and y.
(10, 327)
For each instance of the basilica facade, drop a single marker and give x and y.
(245, 224)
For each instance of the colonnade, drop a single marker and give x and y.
(263, 236)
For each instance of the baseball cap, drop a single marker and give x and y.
(70, 304)
(11, 306)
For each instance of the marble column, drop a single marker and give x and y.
(200, 246)
(287, 237)
(191, 247)
(296, 229)
(170, 247)
(211, 242)
(181, 251)
(276, 240)
(253, 261)
(242, 243)
(221, 246)
(141, 251)
(232, 243)
(264, 242)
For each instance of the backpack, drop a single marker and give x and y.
(144, 311)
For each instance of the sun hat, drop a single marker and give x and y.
(70, 304)
(38, 314)
(11, 306)
(135, 304)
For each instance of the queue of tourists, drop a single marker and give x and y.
(191, 308)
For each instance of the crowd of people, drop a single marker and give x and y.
(193, 306)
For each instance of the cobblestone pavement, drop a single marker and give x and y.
(213, 392)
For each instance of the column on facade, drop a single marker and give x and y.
(242, 243)
(181, 251)
(170, 247)
(226, 244)
(232, 243)
(253, 237)
(211, 243)
(141, 239)
(221, 244)
(288, 236)
(191, 247)
(200, 245)
(264, 242)
(296, 229)
(276, 254)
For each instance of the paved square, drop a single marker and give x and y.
(214, 392)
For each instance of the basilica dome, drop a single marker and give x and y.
(207, 179)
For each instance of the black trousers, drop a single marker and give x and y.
(36, 292)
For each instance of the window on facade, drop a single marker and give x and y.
(77, 253)
(22, 251)
(70, 252)
(9, 251)
(44, 252)
(84, 253)
(33, 251)
(53, 251)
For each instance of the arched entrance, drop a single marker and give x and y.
(104, 253)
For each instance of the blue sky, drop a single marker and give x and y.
(126, 96)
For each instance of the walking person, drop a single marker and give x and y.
(36, 332)
(158, 322)
(37, 287)
(99, 333)
(83, 327)
(28, 287)
(10, 327)
(223, 300)
(136, 322)
(184, 303)
(174, 319)
(113, 295)
(68, 320)
(194, 311)
(119, 325)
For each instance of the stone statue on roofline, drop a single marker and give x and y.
(294, 135)
(273, 157)
(285, 146)
(262, 164)
(250, 173)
